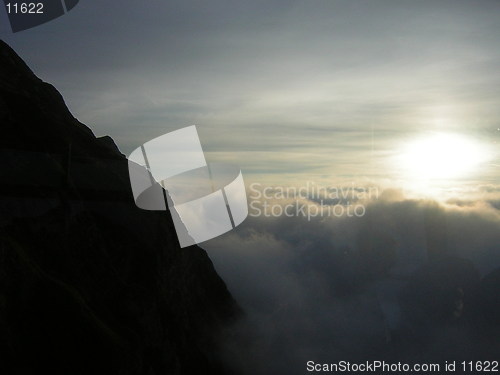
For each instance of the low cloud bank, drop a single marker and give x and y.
(411, 280)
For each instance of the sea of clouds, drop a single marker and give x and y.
(400, 282)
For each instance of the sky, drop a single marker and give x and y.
(329, 91)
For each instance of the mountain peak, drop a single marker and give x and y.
(90, 283)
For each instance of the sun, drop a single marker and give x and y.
(441, 157)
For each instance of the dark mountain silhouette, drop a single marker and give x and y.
(89, 283)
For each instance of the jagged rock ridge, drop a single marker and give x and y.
(88, 282)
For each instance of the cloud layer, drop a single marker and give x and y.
(402, 283)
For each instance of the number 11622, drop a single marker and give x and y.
(24, 8)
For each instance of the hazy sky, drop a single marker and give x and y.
(286, 89)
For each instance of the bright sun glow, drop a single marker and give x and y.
(442, 157)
